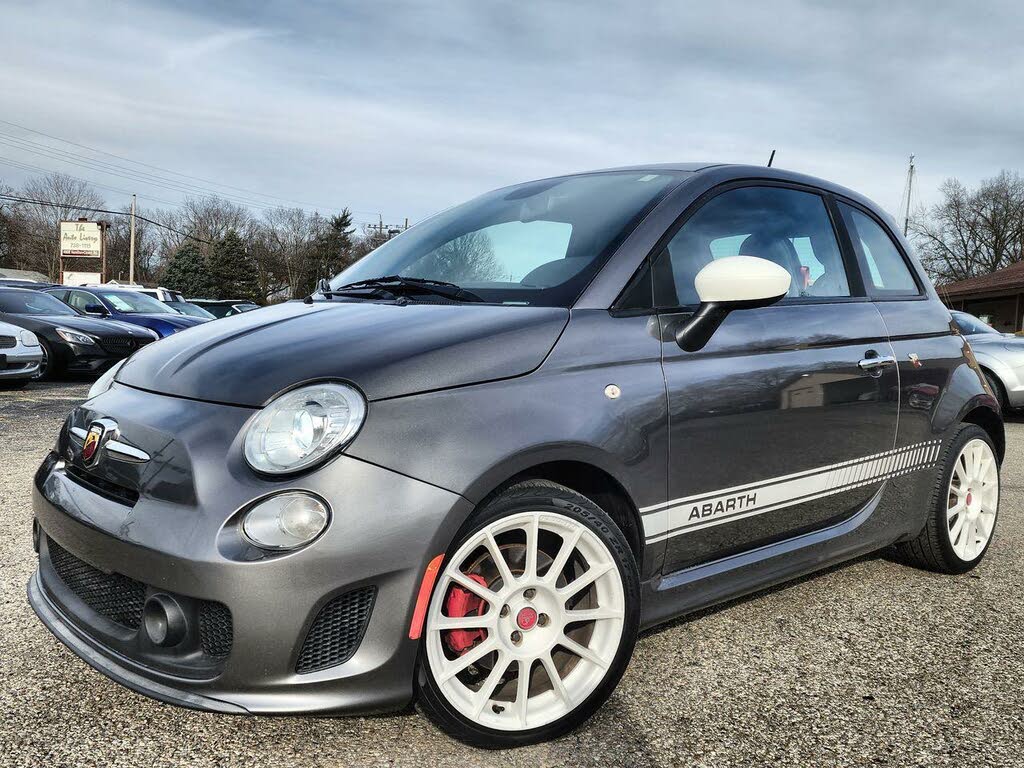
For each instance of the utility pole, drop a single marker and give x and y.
(910, 189)
(131, 247)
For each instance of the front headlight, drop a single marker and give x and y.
(74, 337)
(286, 521)
(303, 427)
(29, 339)
(104, 382)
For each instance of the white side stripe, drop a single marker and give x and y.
(703, 510)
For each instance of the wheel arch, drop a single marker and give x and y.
(992, 423)
(592, 481)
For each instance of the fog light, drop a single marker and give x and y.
(164, 621)
(286, 521)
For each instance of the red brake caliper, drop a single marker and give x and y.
(461, 602)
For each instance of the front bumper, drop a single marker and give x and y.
(178, 539)
(20, 363)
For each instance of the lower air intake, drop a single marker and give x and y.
(337, 631)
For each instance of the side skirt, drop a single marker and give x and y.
(707, 584)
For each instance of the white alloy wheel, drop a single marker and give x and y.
(973, 499)
(525, 621)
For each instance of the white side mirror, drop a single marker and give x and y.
(724, 285)
(741, 279)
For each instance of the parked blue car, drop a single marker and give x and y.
(126, 306)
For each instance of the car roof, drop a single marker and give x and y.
(733, 171)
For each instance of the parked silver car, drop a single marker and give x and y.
(1000, 355)
(20, 355)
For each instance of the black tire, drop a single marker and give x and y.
(544, 496)
(997, 389)
(932, 549)
(48, 369)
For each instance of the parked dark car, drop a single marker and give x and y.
(71, 342)
(126, 306)
(225, 307)
(507, 440)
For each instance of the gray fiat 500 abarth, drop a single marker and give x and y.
(470, 468)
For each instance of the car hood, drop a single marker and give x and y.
(387, 350)
(78, 323)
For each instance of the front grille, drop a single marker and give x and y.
(119, 345)
(215, 632)
(117, 597)
(337, 631)
(99, 485)
(8, 342)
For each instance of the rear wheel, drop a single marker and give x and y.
(965, 504)
(532, 621)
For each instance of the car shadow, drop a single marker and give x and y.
(887, 554)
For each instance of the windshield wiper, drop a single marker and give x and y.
(356, 292)
(397, 283)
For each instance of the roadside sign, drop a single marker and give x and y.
(81, 238)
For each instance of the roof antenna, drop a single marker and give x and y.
(772, 157)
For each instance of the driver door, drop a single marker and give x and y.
(777, 426)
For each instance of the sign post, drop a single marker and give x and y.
(82, 240)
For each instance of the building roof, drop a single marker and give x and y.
(23, 274)
(1006, 280)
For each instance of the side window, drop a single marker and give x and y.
(80, 300)
(885, 270)
(787, 226)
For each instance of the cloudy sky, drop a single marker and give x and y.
(406, 108)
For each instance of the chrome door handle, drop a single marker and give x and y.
(876, 364)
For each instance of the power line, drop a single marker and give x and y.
(67, 206)
(176, 173)
(60, 155)
(29, 167)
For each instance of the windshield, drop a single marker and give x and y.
(537, 243)
(19, 302)
(130, 303)
(971, 325)
(191, 310)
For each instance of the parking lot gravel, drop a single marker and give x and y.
(871, 663)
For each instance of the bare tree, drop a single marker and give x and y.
(70, 199)
(972, 232)
(466, 258)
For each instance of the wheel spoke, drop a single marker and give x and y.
(507, 579)
(477, 589)
(956, 509)
(564, 553)
(592, 614)
(582, 651)
(556, 680)
(444, 623)
(958, 526)
(467, 659)
(592, 574)
(523, 690)
(484, 694)
(532, 530)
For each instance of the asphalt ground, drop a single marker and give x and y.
(872, 663)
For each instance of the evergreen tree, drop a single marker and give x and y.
(329, 254)
(188, 272)
(233, 270)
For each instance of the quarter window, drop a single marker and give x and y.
(787, 226)
(885, 270)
